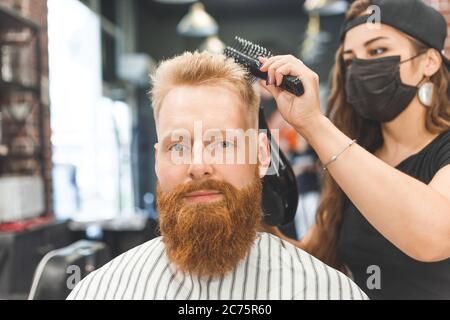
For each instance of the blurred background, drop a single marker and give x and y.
(77, 181)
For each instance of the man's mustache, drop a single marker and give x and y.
(195, 186)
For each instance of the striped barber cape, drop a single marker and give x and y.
(273, 270)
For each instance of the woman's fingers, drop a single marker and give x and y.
(279, 66)
(269, 68)
(283, 70)
(271, 89)
(271, 65)
(297, 68)
(269, 61)
(262, 60)
(273, 71)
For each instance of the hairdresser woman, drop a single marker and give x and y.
(385, 146)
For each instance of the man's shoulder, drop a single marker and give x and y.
(117, 267)
(315, 273)
(146, 248)
(283, 247)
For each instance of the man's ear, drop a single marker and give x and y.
(156, 157)
(263, 154)
(433, 63)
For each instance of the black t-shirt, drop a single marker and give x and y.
(360, 245)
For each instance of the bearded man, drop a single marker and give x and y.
(210, 158)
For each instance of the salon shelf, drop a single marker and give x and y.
(36, 154)
(23, 157)
(10, 19)
(11, 22)
(8, 85)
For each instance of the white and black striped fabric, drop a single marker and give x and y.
(273, 270)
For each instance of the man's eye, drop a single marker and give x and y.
(225, 144)
(178, 147)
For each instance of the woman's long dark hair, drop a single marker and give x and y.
(323, 243)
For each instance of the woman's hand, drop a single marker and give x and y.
(297, 111)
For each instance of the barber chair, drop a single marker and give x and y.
(60, 270)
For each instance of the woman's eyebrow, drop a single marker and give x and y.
(367, 43)
(373, 40)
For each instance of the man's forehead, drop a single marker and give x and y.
(205, 95)
(214, 108)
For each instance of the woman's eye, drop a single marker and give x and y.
(377, 51)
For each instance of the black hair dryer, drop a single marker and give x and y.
(280, 191)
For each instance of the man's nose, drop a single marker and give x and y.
(199, 168)
(199, 171)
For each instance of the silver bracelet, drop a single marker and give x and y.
(335, 157)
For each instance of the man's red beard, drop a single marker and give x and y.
(210, 239)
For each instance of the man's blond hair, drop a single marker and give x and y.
(204, 69)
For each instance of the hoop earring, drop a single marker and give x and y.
(425, 93)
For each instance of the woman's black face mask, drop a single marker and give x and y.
(374, 88)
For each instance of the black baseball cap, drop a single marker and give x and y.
(413, 17)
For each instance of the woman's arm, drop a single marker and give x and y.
(414, 216)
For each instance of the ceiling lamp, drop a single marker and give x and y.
(213, 45)
(175, 1)
(326, 7)
(197, 23)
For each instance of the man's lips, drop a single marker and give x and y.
(202, 193)
(203, 196)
